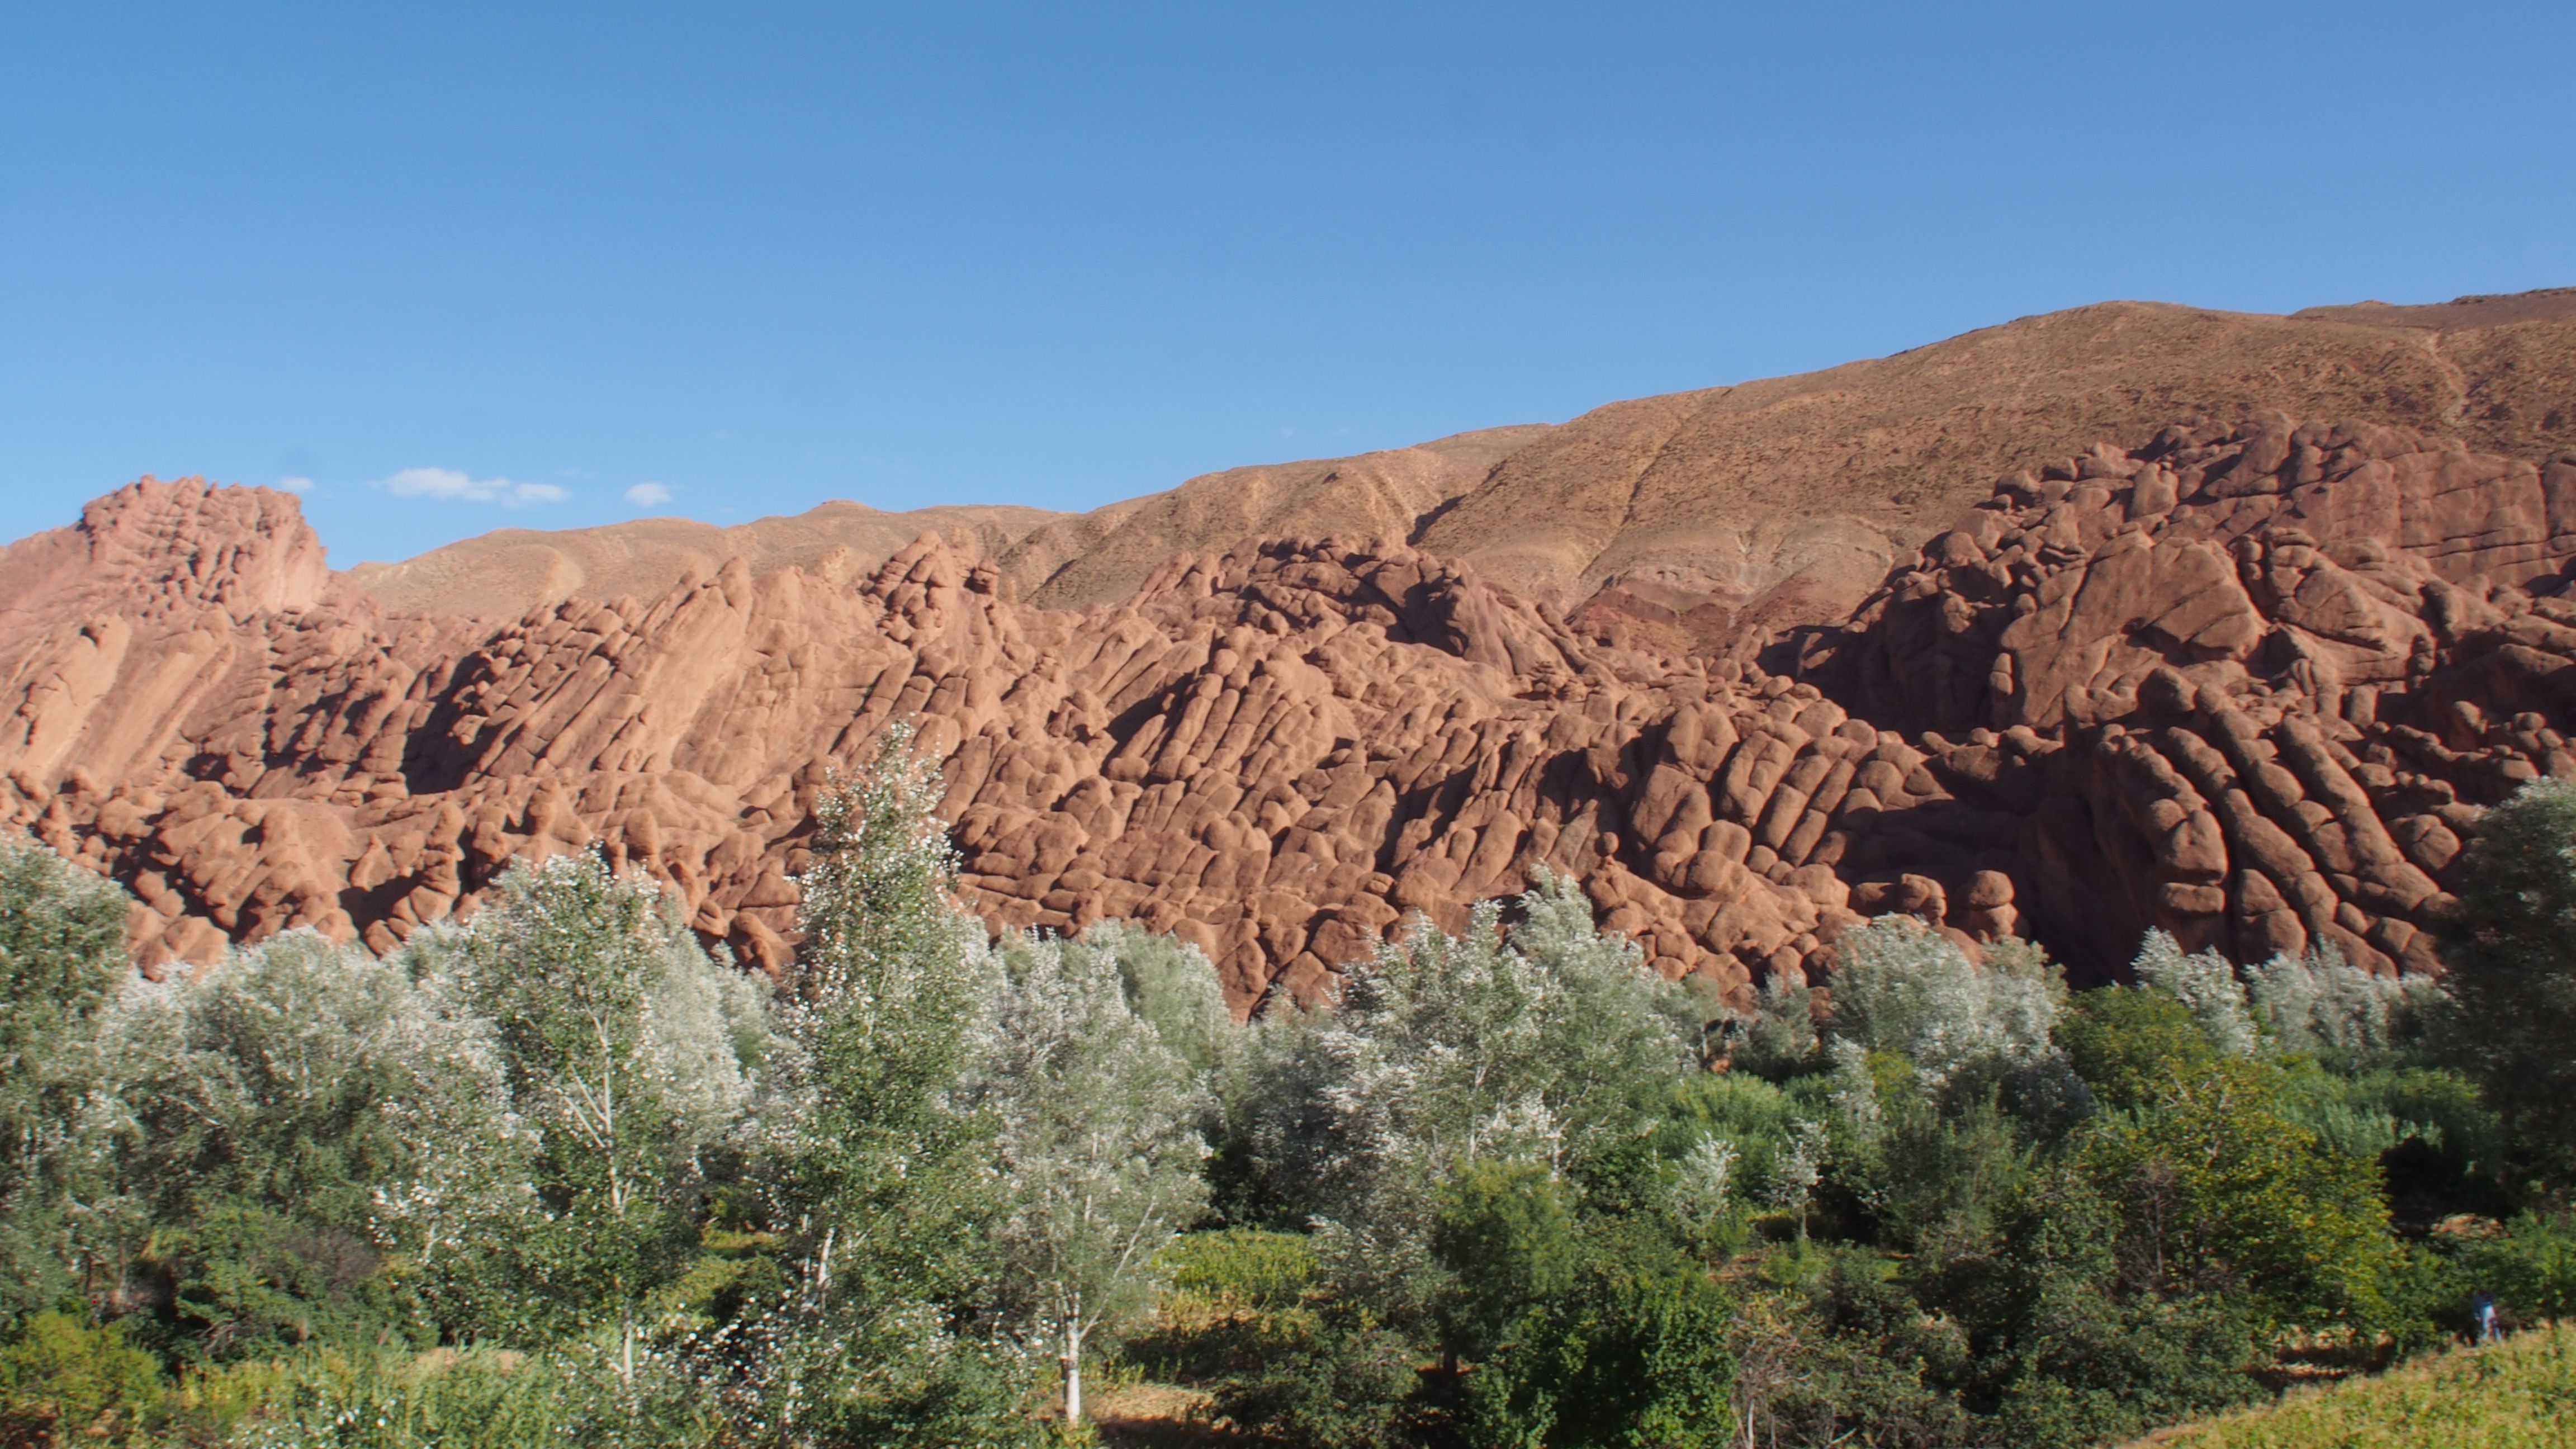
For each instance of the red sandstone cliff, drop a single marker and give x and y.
(2249, 685)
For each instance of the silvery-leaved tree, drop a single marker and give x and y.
(62, 952)
(1900, 986)
(1097, 1124)
(304, 1124)
(1171, 984)
(883, 1183)
(1545, 1044)
(2204, 981)
(2320, 1004)
(632, 1056)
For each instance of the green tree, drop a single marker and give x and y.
(312, 1131)
(883, 1180)
(2510, 944)
(62, 933)
(2129, 1044)
(1098, 1144)
(1551, 1044)
(882, 1183)
(2222, 1193)
(634, 1058)
(2063, 1346)
(1632, 1352)
(1506, 1234)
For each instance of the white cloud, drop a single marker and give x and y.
(450, 484)
(646, 495)
(295, 485)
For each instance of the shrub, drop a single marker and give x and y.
(1329, 1377)
(2511, 945)
(1629, 1353)
(2531, 1268)
(63, 1380)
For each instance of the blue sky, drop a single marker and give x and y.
(461, 267)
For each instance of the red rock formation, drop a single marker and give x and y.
(2249, 687)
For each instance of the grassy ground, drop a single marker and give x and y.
(1155, 1416)
(2519, 1394)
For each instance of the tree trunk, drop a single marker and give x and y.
(1073, 1376)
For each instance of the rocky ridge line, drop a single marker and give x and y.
(2249, 686)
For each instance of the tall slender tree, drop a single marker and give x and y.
(62, 952)
(1099, 1145)
(630, 1054)
(884, 1181)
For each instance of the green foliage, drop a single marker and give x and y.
(1748, 1113)
(1505, 1232)
(1777, 1038)
(633, 1059)
(2530, 1268)
(1549, 1044)
(2510, 944)
(1097, 1141)
(1848, 1356)
(1631, 1352)
(2129, 1044)
(2222, 1193)
(1327, 1377)
(876, 1207)
(62, 951)
(307, 1132)
(881, 1177)
(2519, 1394)
(64, 1381)
(1230, 1291)
(479, 1400)
(904, 1374)
(1931, 1169)
(1243, 1269)
(2061, 1346)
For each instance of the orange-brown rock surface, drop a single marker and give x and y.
(1694, 515)
(2248, 683)
(2249, 687)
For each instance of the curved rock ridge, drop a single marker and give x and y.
(2247, 687)
(2250, 685)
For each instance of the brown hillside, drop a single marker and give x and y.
(2249, 685)
(1697, 514)
(1100, 558)
(1785, 501)
(505, 573)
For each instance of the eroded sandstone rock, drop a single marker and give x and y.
(2250, 686)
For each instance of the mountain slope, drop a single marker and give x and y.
(1773, 503)
(2248, 686)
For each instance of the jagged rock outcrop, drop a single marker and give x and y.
(2249, 685)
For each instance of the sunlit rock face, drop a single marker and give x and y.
(2248, 684)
